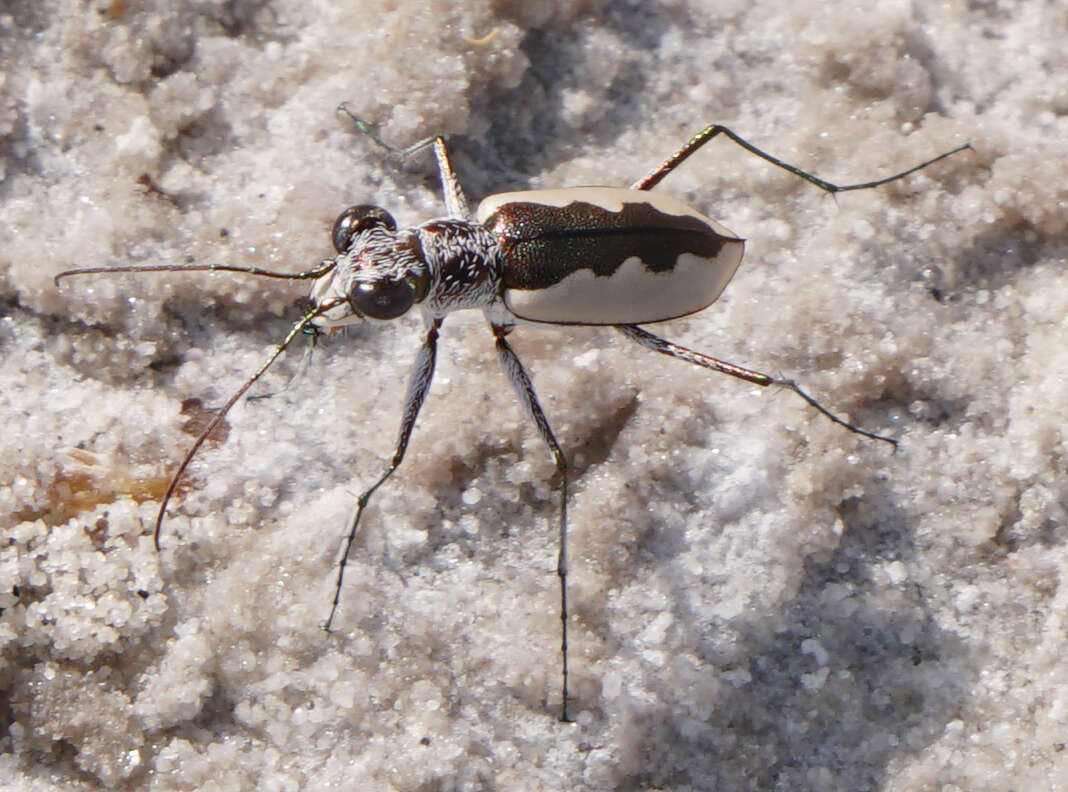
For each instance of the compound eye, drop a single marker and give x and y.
(384, 299)
(356, 220)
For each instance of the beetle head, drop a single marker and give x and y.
(379, 271)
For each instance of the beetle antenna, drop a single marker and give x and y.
(313, 334)
(294, 331)
(324, 267)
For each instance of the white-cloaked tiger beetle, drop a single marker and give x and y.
(575, 256)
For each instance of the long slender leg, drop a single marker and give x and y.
(453, 195)
(455, 202)
(709, 132)
(524, 388)
(418, 387)
(657, 344)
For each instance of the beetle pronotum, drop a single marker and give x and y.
(577, 256)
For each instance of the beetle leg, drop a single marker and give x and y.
(418, 387)
(524, 388)
(455, 202)
(453, 195)
(709, 132)
(657, 344)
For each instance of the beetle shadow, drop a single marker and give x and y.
(889, 683)
(997, 258)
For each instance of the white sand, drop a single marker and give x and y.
(761, 600)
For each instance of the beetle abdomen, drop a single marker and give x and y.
(603, 255)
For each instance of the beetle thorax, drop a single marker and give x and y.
(463, 260)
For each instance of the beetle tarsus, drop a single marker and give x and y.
(665, 347)
(708, 133)
(418, 387)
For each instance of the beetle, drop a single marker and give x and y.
(576, 256)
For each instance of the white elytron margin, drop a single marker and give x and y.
(632, 294)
